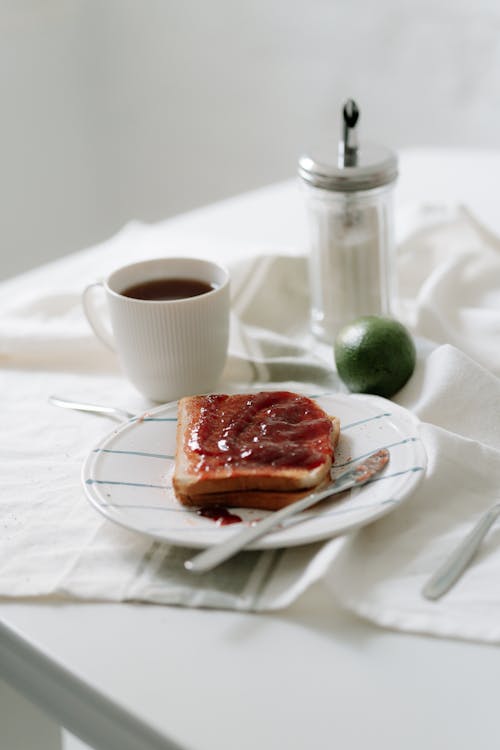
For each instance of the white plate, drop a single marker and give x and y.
(127, 476)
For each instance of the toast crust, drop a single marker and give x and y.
(277, 475)
(256, 499)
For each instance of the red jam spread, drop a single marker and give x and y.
(271, 428)
(221, 516)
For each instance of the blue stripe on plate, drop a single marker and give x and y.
(343, 511)
(302, 515)
(364, 421)
(165, 487)
(155, 508)
(126, 484)
(389, 445)
(153, 419)
(299, 518)
(133, 453)
(322, 395)
(395, 474)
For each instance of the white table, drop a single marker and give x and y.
(125, 676)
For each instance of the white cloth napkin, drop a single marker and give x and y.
(381, 570)
(54, 544)
(450, 282)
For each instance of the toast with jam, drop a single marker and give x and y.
(259, 450)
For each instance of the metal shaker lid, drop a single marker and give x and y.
(357, 167)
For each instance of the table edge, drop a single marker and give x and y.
(80, 709)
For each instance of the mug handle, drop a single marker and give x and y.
(94, 320)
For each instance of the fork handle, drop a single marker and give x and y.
(453, 567)
(108, 411)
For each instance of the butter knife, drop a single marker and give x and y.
(450, 571)
(358, 474)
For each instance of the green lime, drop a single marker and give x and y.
(374, 355)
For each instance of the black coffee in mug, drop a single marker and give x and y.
(168, 289)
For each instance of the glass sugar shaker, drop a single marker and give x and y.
(350, 210)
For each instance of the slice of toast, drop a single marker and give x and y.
(258, 499)
(261, 450)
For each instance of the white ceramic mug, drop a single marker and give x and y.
(167, 348)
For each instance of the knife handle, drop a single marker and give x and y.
(453, 567)
(361, 472)
(213, 556)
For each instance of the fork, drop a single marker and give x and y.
(109, 411)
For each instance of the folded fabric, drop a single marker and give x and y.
(381, 570)
(449, 271)
(54, 544)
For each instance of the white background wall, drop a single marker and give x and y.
(121, 109)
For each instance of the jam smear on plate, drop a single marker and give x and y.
(222, 516)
